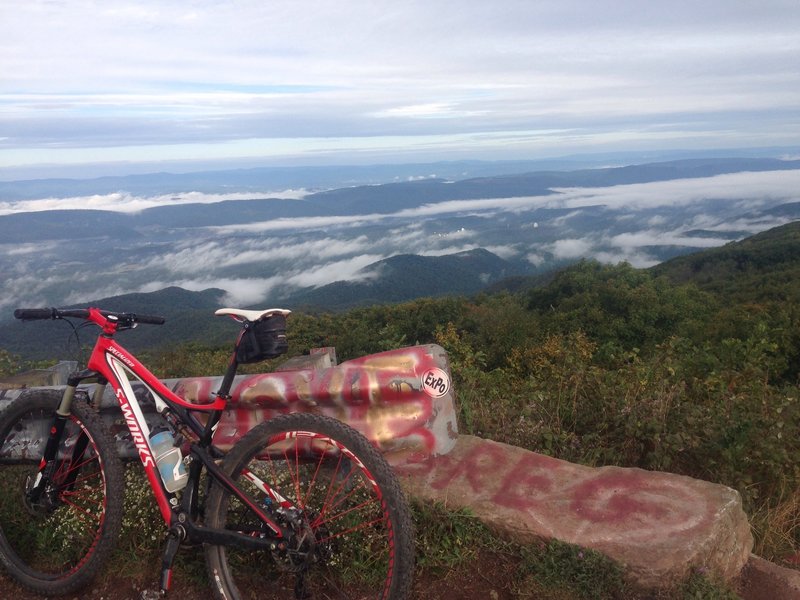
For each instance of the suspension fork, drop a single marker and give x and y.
(49, 462)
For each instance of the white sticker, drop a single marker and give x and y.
(435, 383)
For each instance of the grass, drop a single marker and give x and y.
(584, 573)
(447, 542)
(453, 540)
(776, 526)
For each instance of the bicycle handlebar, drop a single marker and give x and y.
(33, 314)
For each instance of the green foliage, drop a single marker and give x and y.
(618, 305)
(187, 360)
(143, 530)
(446, 538)
(9, 364)
(586, 573)
(762, 268)
(699, 587)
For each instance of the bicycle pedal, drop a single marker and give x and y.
(151, 595)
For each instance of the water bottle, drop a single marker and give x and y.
(169, 461)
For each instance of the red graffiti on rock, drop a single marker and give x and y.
(596, 501)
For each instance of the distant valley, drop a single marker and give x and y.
(388, 242)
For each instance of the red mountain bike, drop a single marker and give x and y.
(301, 506)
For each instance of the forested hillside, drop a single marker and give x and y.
(764, 267)
(690, 367)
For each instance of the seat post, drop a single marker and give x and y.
(227, 381)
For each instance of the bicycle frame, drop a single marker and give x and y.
(306, 492)
(110, 363)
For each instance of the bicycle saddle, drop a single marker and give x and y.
(251, 315)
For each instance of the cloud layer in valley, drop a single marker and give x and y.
(257, 261)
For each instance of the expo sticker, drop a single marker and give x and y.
(435, 383)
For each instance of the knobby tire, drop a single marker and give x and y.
(58, 544)
(354, 535)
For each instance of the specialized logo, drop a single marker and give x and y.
(136, 433)
(121, 356)
(435, 383)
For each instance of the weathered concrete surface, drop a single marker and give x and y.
(401, 400)
(657, 525)
(56, 375)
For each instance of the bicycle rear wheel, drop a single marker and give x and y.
(55, 542)
(351, 530)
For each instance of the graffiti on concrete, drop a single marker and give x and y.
(401, 400)
(382, 395)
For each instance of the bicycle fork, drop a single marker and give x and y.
(49, 463)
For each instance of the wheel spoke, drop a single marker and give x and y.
(343, 537)
(57, 543)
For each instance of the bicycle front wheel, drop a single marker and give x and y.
(55, 537)
(350, 531)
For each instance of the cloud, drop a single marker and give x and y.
(258, 260)
(485, 205)
(39, 248)
(571, 248)
(285, 224)
(91, 293)
(752, 188)
(411, 235)
(653, 237)
(445, 250)
(640, 260)
(506, 251)
(211, 79)
(197, 256)
(343, 270)
(241, 291)
(246, 291)
(536, 259)
(751, 225)
(562, 220)
(130, 203)
(27, 290)
(748, 188)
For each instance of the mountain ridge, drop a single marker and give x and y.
(276, 250)
(737, 270)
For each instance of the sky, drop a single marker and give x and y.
(86, 83)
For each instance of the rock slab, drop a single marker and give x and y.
(658, 526)
(763, 580)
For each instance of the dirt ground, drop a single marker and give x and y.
(485, 579)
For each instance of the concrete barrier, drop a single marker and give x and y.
(401, 400)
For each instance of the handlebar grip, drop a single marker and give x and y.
(149, 319)
(32, 314)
